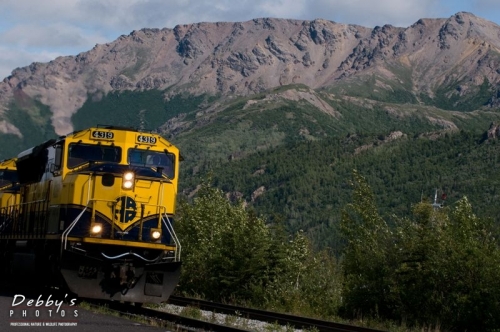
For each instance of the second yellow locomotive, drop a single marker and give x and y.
(96, 208)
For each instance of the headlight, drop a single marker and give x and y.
(128, 180)
(96, 229)
(155, 234)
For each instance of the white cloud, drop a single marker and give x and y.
(38, 11)
(373, 13)
(58, 34)
(12, 58)
(484, 4)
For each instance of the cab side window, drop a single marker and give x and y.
(58, 158)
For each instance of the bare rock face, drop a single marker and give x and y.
(258, 192)
(494, 131)
(394, 136)
(249, 57)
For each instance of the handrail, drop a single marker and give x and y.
(19, 205)
(163, 215)
(172, 233)
(65, 234)
(129, 253)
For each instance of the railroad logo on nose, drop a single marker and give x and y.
(126, 209)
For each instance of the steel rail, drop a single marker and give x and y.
(269, 316)
(183, 323)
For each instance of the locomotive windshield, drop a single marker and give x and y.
(150, 158)
(8, 177)
(79, 154)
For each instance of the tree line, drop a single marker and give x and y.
(435, 268)
(307, 183)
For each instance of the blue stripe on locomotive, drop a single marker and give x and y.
(82, 227)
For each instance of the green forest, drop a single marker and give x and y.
(346, 230)
(306, 184)
(434, 270)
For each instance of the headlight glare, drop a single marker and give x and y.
(128, 180)
(155, 234)
(96, 229)
(128, 184)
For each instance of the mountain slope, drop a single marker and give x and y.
(441, 62)
(307, 184)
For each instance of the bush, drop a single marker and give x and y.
(439, 267)
(229, 254)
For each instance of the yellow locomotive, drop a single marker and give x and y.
(96, 208)
(9, 193)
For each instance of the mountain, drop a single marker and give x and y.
(449, 63)
(229, 93)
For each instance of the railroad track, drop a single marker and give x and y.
(268, 316)
(188, 324)
(162, 318)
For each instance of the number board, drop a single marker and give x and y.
(99, 134)
(146, 139)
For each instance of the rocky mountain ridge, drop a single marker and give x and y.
(243, 58)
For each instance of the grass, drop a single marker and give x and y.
(191, 312)
(136, 318)
(239, 322)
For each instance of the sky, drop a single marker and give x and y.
(41, 30)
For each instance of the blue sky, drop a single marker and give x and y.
(39, 30)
